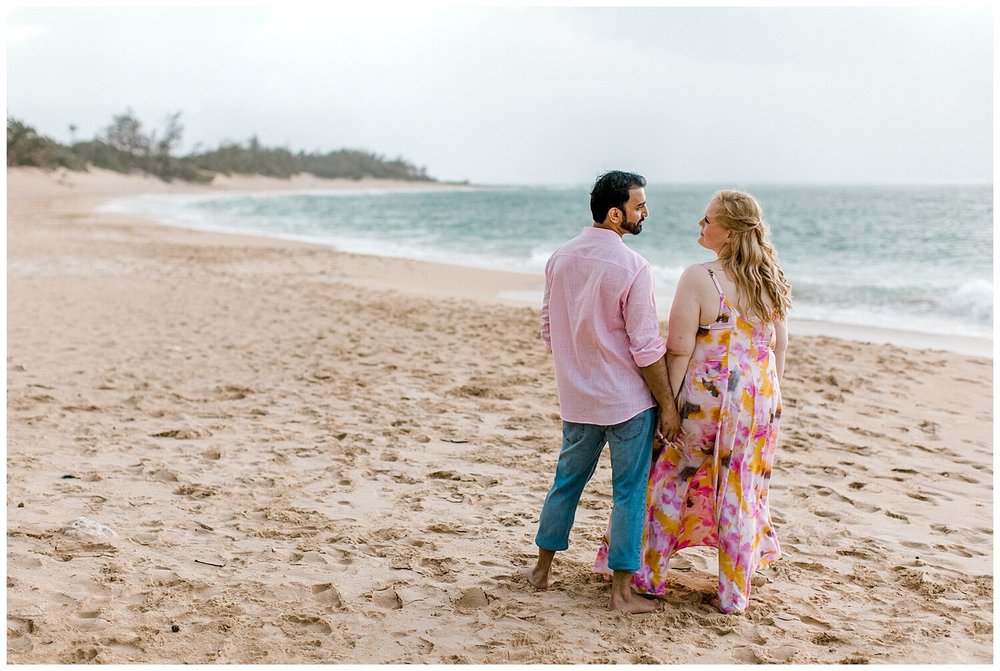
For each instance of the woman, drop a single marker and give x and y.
(725, 358)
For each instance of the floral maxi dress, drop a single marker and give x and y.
(710, 487)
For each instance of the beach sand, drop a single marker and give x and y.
(309, 456)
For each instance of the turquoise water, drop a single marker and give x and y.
(917, 258)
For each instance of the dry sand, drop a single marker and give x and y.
(309, 456)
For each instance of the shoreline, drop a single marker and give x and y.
(408, 276)
(510, 287)
(915, 340)
(871, 335)
(314, 457)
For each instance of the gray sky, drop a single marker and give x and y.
(536, 95)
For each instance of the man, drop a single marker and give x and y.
(599, 322)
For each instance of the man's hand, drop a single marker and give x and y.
(670, 423)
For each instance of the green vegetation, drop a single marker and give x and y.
(124, 147)
(26, 147)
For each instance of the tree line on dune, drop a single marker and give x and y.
(124, 146)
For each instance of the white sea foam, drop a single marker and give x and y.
(974, 297)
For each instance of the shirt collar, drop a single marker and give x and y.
(594, 232)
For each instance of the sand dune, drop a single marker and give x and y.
(315, 457)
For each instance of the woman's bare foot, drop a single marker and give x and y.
(633, 603)
(715, 602)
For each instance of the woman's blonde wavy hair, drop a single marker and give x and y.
(749, 257)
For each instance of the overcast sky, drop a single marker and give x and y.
(536, 95)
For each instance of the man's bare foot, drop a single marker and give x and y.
(633, 603)
(537, 578)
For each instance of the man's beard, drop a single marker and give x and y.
(633, 228)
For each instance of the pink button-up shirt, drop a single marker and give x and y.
(599, 322)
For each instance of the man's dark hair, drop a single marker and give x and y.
(611, 190)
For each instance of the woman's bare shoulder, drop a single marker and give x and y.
(696, 275)
(695, 284)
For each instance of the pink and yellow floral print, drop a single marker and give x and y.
(710, 487)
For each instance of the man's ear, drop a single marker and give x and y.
(615, 215)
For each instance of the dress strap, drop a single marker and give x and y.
(714, 279)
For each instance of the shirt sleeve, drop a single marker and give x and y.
(545, 332)
(641, 323)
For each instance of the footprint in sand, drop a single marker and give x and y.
(827, 491)
(919, 496)
(182, 434)
(342, 557)
(834, 471)
(386, 598)
(826, 638)
(162, 475)
(401, 562)
(980, 629)
(309, 623)
(813, 622)
(929, 427)
(446, 528)
(943, 528)
(854, 552)
(859, 505)
(827, 514)
(19, 629)
(309, 557)
(130, 650)
(439, 568)
(963, 478)
(865, 577)
(403, 478)
(914, 545)
(959, 550)
(89, 619)
(447, 475)
(807, 566)
(196, 491)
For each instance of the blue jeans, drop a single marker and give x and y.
(631, 446)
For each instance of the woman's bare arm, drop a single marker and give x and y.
(780, 345)
(685, 316)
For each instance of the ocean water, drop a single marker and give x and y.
(912, 258)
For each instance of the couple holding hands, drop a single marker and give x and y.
(691, 423)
